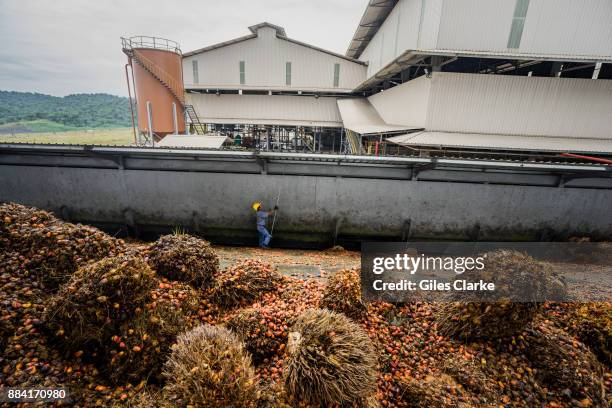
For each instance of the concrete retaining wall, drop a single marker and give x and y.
(316, 210)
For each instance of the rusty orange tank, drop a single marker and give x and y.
(158, 78)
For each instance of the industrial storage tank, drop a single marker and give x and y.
(157, 75)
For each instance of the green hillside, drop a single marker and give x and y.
(34, 112)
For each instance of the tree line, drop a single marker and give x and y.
(78, 110)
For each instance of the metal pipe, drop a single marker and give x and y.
(150, 122)
(127, 79)
(174, 118)
(591, 158)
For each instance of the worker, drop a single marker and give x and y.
(262, 216)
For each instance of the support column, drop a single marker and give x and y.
(596, 70)
(556, 69)
(436, 63)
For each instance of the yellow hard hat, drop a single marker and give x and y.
(256, 205)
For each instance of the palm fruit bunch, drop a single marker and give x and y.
(210, 368)
(143, 344)
(470, 316)
(21, 305)
(273, 396)
(244, 283)
(565, 366)
(330, 361)
(184, 258)
(97, 299)
(472, 378)
(592, 323)
(439, 391)
(343, 294)
(52, 247)
(262, 328)
(16, 290)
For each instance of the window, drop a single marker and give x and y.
(518, 22)
(288, 73)
(196, 78)
(242, 76)
(336, 75)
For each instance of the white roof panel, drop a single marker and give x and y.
(203, 141)
(360, 116)
(282, 110)
(504, 142)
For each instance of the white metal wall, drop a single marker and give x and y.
(519, 105)
(563, 27)
(405, 104)
(500, 105)
(552, 27)
(266, 109)
(399, 32)
(265, 57)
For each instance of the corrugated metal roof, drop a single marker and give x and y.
(206, 141)
(281, 110)
(279, 30)
(504, 142)
(404, 104)
(519, 105)
(360, 116)
(373, 17)
(280, 33)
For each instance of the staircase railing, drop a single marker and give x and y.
(354, 142)
(198, 126)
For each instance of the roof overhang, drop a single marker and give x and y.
(414, 57)
(373, 17)
(361, 117)
(480, 141)
(278, 110)
(204, 142)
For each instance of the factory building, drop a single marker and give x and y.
(268, 60)
(519, 78)
(271, 91)
(475, 75)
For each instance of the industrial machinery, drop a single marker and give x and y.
(157, 79)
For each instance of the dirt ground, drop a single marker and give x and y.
(298, 263)
(586, 282)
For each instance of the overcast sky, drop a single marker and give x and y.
(61, 47)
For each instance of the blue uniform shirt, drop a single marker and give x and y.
(262, 216)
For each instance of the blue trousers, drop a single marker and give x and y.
(264, 236)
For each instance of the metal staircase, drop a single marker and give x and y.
(167, 80)
(353, 142)
(198, 126)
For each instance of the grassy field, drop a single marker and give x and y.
(38, 125)
(120, 136)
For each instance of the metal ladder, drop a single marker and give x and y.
(198, 126)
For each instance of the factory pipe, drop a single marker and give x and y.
(591, 158)
(127, 78)
(174, 118)
(150, 122)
